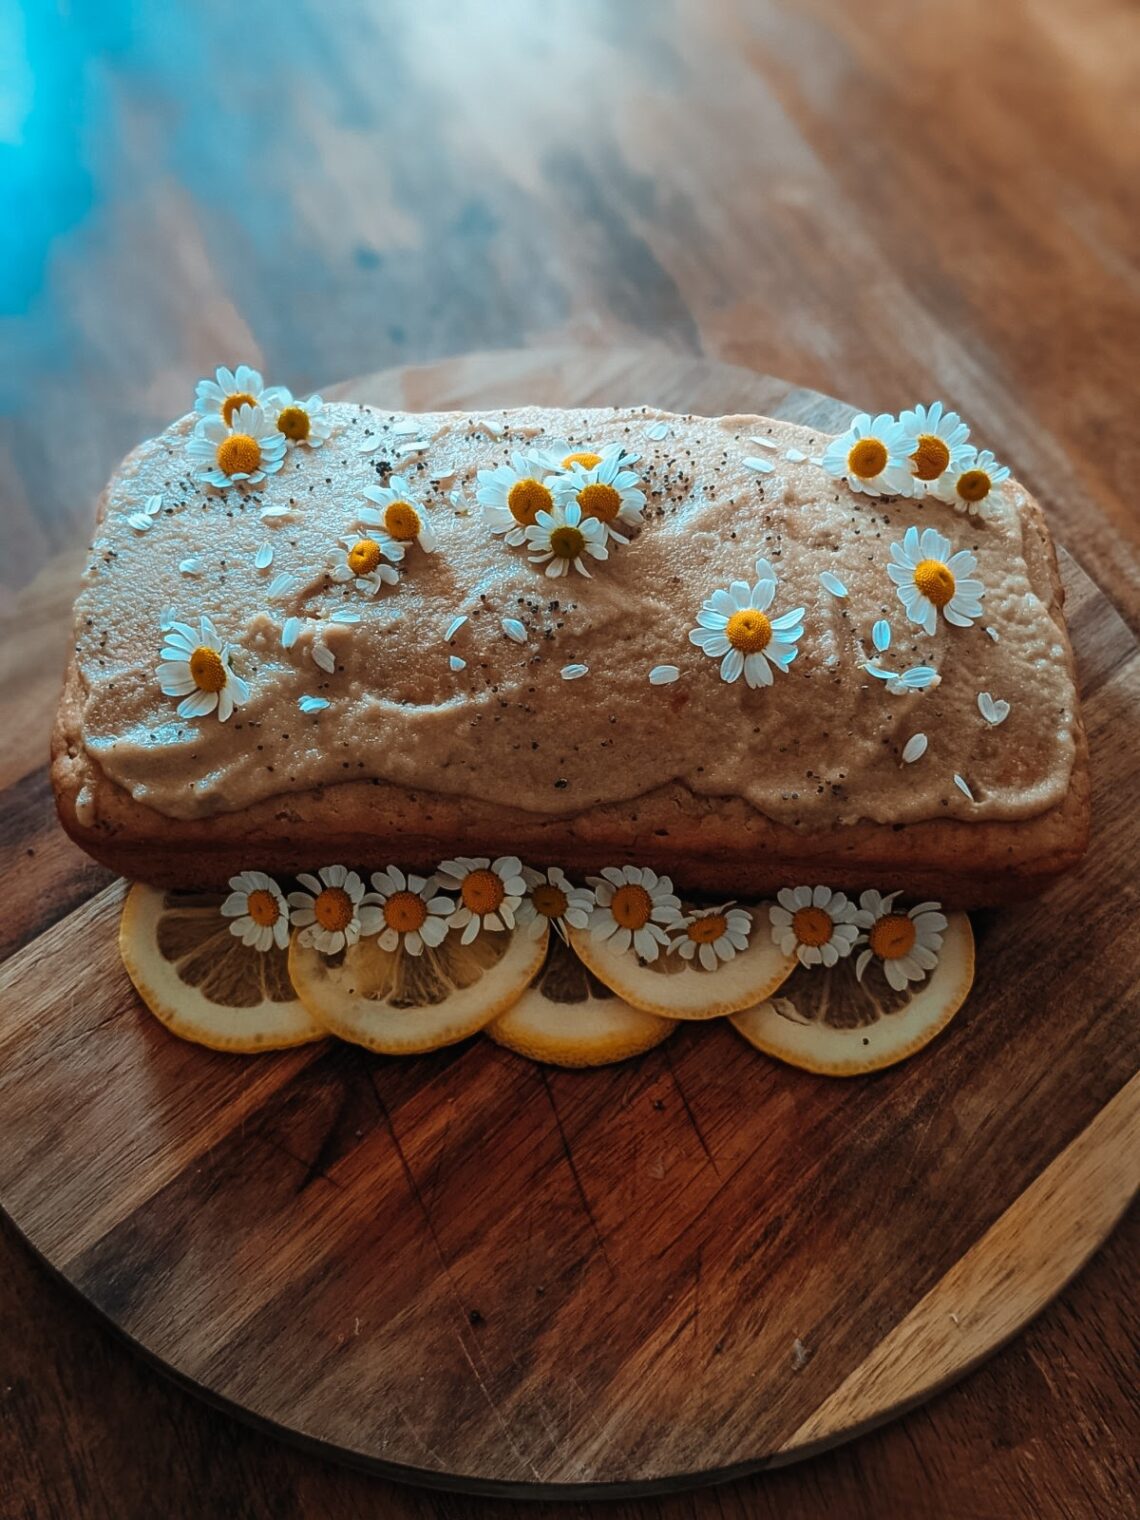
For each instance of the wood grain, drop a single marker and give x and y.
(466, 1269)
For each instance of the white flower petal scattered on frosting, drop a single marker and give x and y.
(324, 657)
(457, 662)
(281, 585)
(453, 627)
(264, 557)
(917, 678)
(795, 456)
(574, 672)
(992, 711)
(514, 630)
(143, 520)
(192, 565)
(764, 443)
(312, 704)
(291, 631)
(832, 583)
(269, 514)
(408, 428)
(914, 748)
(656, 431)
(881, 635)
(761, 466)
(993, 634)
(814, 924)
(167, 619)
(963, 786)
(663, 675)
(344, 615)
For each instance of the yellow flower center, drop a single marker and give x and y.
(935, 580)
(749, 631)
(207, 670)
(333, 908)
(892, 937)
(973, 485)
(405, 912)
(239, 454)
(931, 457)
(526, 499)
(632, 906)
(482, 892)
(262, 907)
(812, 926)
(231, 404)
(867, 458)
(567, 542)
(402, 521)
(585, 458)
(708, 929)
(364, 556)
(549, 901)
(293, 421)
(600, 501)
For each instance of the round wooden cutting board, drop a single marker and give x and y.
(471, 1271)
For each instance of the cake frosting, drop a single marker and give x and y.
(541, 698)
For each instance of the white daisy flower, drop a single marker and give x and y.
(608, 492)
(735, 628)
(815, 924)
(406, 910)
(969, 487)
(258, 911)
(299, 421)
(229, 389)
(906, 943)
(512, 495)
(713, 935)
(400, 521)
(559, 538)
(560, 455)
(196, 667)
(552, 899)
(872, 456)
(328, 911)
(929, 579)
(247, 453)
(489, 892)
(941, 448)
(363, 565)
(634, 909)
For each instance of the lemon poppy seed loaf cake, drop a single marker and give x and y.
(726, 648)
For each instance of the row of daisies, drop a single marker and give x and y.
(632, 907)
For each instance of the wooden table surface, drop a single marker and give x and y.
(885, 201)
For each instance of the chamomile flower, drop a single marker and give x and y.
(906, 943)
(299, 421)
(257, 910)
(244, 454)
(559, 454)
(971, 485)
(512, 495)
(406, 911)
(363, 565)
(397, 517)
(489, 892)
(941, 448)
(231, 388)
(634, 909)
(873, 456)
(815, 924)
(561, 537)
(328, 911)
(608, 492)
(195, 665)
(734, 627)
(552, 899)
(929, 580)
(713, 935)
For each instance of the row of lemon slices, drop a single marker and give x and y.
(575, 1003)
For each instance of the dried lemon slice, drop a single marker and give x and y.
(400, 1004)
(568, 1018)
(202, 982)
(674, 988)
(828, 1022)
